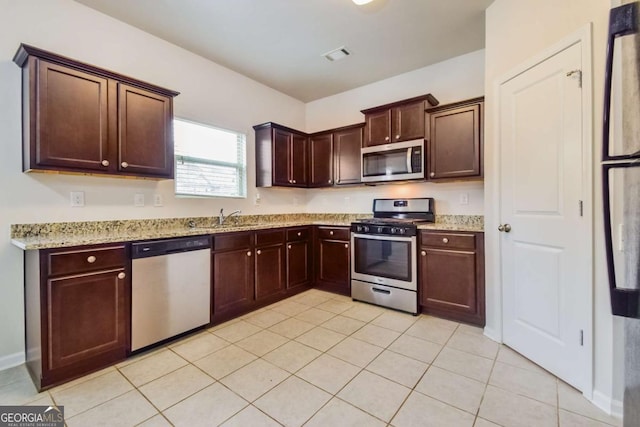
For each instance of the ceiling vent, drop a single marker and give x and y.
(337, 54)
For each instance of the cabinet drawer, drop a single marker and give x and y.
(224, 242)
(85, 260)
(448, 240)
(298, 234)
(271, 237)
(334, 233)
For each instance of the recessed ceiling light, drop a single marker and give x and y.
(337, 54)
(361, 2)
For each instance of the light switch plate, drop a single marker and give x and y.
(138, 200)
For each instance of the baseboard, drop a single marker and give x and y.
(11, 360)
(493, 334)
(607, 404)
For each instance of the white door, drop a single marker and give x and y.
(545, 257)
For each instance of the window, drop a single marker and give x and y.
(209, 161)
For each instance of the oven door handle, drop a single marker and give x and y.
(381, 291)
(376, 237)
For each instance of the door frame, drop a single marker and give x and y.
(584, 37)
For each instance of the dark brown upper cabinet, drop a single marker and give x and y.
(347, 142)
(81, 118)
(454, 140)
(321, 160)
(281, 156)
(396, 122)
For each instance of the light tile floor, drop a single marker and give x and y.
(319, 359)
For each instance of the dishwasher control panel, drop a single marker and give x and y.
(169, 246)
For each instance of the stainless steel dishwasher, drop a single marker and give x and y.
(170, 288)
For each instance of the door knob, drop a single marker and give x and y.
(504, 227)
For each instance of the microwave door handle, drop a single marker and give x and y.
(409, 155)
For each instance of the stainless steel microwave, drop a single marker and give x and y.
(398, 161)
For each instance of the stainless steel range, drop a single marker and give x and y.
(384, 253)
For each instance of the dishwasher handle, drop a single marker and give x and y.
(169, 246)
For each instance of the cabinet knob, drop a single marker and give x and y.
(397, 136)
(248, 253)
(105, 163)
(299, 233)
(386, 138)
(288, 246)
(346, 245)
(331, 233)
(258, 252)
(124, 165)
(329, 181)
(293, 181)
(423, 253)
(91, 259)
(432, 174)
(445, 240)
(121, 275)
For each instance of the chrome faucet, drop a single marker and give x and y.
(222, 218)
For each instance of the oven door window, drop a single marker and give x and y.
(383, 258)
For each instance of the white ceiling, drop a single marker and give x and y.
(281, 42)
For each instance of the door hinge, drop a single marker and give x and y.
(581, 337)
(577, 73)
(581, 207)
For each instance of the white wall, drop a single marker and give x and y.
(515, 32)
(209, 93)
(449, 81)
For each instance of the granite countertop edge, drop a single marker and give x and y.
(62, 240)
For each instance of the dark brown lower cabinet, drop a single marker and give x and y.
(269, 263)
(451, 274)
(332, 267)
(298, 257)
(77, 311)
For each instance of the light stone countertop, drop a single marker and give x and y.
(59, 235)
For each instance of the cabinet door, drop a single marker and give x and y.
(408, 122)
(347, 145)
(298, 267)
(270, 263)
(87, 316)
(299, 161)
(281, 157)
(333, 265)
(448, 283)
(71, 120)
(378, 128)
(232, 280)
(145, 132)
(455, 143)
(321, 160)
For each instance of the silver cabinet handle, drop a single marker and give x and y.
(248, 253)
(124, 165)
(299, 233)
(329, 182)
(105, 163)
(432, 174)
(386, 138)
(445, 240)
(293, 181)
(91, 259)
(506, 228)
(121, 275)
(397, 136)
(331, 233)
(288, 246)
(423, 253)
(346, 245)
(258, 252)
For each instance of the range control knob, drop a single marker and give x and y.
(401, 230)
(395, 230)
(359, 228)
(365, 228)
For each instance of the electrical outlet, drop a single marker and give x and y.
(257, 200)
(138, 200)
(157, 200)
(464, 199)
(77, 199)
